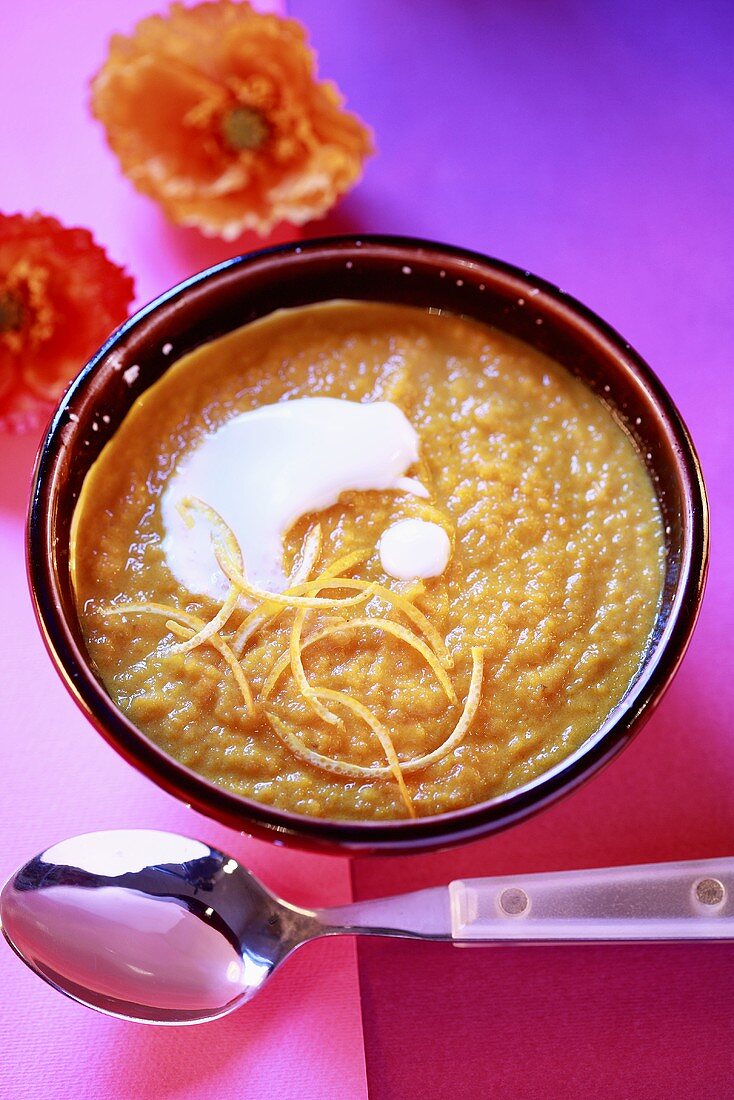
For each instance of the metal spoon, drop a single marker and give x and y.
(155, 927)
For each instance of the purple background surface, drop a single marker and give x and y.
(592, 143)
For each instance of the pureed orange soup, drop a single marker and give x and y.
(349, 688)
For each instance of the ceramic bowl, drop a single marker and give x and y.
(386, 269)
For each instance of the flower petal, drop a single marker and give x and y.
(169, 97)
(66, 297)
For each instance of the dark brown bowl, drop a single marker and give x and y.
(386, 269)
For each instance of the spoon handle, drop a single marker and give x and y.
(665, 901)
(691, 900)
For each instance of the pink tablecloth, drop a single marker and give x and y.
(592, 143)
(302, 1037)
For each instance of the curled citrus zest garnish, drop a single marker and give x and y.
(212, 627)
(413, 589)
(229, 559)
(185, 507)
(310, 552)
(195, 624)
(406, 636)
(294, 656)
(152, 608)
(270, 612)
(253, 622)
(341, 767)
(225, 651)
(471, 705)
(407, 767)
(388, 627)
(226, 534)
(287, 599)
(399, 601)
(345, 563)
(382, 734)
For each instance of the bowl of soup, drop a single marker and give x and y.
(367, 544)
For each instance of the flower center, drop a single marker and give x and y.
(244, 128)
(27, 317)
(12, 313)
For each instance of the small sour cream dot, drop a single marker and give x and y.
(413, 549)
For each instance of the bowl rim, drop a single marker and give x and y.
(372, 837)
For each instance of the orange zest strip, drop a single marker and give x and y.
(282, 664)
(359, 771)
(310, 553)
(185, 507)
(224, 650)
(412, 590)
(471, 705)
(294, 655)
(341, 767)
(212, 627)
(252, 624)
(286, 599)
(169, 611)
(345, 563)
(270, 612)
(406, 636)
(226, 534)
(382, 735)
(353, 624)
(175, 616)
(400, 603)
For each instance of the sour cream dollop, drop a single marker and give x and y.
(413, 549)
(262, 470)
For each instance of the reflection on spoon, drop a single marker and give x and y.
(155, 951)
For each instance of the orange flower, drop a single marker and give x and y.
(215, 112)
(59, 298)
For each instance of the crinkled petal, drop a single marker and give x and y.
(70, 297)
(166, 93)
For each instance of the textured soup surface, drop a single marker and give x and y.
(556, 571)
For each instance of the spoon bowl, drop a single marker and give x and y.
(148, 926)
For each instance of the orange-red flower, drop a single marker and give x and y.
(215, 112)
(59, 298)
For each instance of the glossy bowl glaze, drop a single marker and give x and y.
(386, 269)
